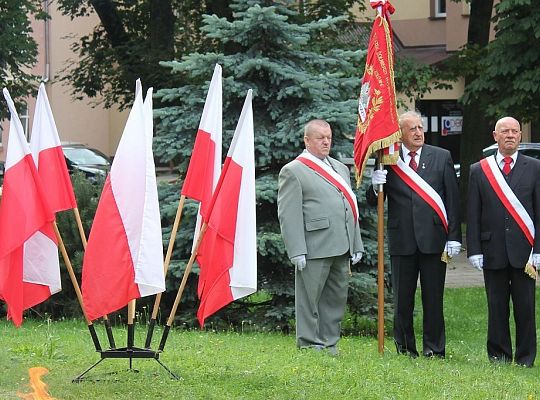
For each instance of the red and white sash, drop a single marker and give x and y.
(508, 198)
(422, 188)
(327, 172)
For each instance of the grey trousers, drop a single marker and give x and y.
(320, 301)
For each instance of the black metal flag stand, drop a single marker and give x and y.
(130, 352)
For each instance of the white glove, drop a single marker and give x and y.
(356, 257)
(477, 261)
(536, 260)
(299, 262)
(453, 248)
(378, 177)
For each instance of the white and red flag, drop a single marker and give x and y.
(49, 157)
(230, 243)
(124, 257)
(25, 275)
(205, 162)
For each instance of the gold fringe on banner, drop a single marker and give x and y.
(375, 146)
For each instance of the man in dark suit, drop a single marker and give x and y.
(503, 211)
(423, 223)
(318, 215)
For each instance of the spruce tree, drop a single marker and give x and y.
(262, 49)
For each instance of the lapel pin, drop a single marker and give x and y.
(423, 166)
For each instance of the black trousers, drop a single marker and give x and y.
(501, 285)
(405, 271)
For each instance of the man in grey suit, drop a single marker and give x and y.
(318, 215)
(423, 223)
(503, 212)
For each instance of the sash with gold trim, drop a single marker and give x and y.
(326, 171)
(511, 203)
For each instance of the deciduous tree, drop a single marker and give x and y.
(18, 50)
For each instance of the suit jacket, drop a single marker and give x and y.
(315, 218)
(412, 223)
(491, 231)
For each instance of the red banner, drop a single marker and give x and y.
(377, 126)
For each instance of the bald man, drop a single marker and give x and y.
(503, 210)
(318, 215)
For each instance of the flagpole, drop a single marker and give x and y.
(187, 271)
(76, 286)
(106, 321)
(168, 256)
(80, 226)
(131, 326)
(380, 260)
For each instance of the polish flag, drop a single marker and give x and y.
(24, 279)
(230, 258)
(205, 162)
(124, 257)
(49, 157)
(41, 250)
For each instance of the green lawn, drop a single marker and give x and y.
(266, 366)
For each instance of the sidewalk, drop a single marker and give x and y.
(459, 273)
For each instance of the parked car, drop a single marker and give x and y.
(79, 157)
(90, 161)
(528, 149)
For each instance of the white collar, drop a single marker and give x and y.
(406, 151)
(500, 158)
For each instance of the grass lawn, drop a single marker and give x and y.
(265, 366)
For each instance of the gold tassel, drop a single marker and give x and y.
(444, 257)
(531, 271)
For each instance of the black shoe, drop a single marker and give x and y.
(403, 350)
(432, 354)
(500, 359)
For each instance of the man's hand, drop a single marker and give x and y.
(356, 257)
(477, 261)
(453, 248)
(378, 177)
(299, 262)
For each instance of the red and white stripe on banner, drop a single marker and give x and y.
(331, 176)
(423, 189)
(507, 197)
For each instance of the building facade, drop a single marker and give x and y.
(77, 121)
(429, 31)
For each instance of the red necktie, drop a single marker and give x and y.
(413, 163)
(506, 168)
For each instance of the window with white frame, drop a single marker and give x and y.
(439, 8)
(25, 120)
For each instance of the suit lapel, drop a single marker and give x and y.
(425, 160)
(517, 171)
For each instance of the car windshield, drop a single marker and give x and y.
(535, 153)
(84, 156)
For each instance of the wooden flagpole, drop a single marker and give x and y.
(80, 226)
(380, 261)
(106, 321)
(76, 286)
(187, 271)
(168, 256)
(131, 326)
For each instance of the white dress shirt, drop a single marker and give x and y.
(500, 160)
